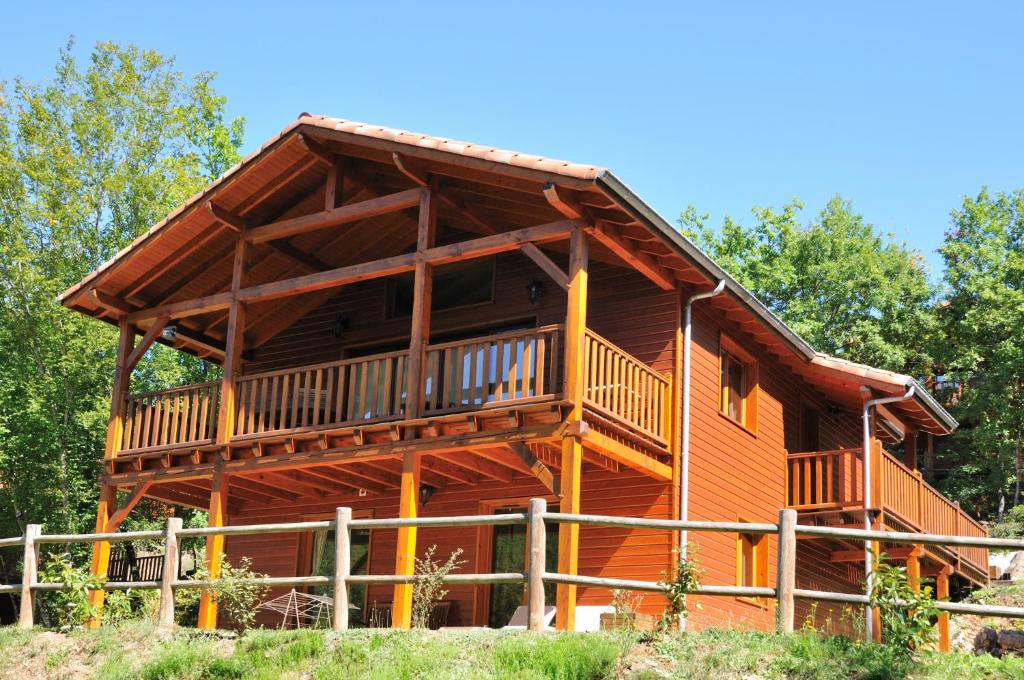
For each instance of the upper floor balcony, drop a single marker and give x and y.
(513, 377)
(829, 486)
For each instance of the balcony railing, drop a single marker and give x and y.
(833, 480)
(504, 369)
(623, 387)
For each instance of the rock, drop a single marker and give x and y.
(998, 643)
(1015, 570)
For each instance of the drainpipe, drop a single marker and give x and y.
(684, 491)
(869, 573)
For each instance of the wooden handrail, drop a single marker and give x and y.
(171, 390)
(623, 387)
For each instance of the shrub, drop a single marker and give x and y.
(906, 613)
(236, 592)
(70, 607)
(568, 656)
(429, 588)
(685, 579)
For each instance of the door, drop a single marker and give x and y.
(317, 550)
(509, 549)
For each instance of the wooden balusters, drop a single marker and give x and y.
(181, 415)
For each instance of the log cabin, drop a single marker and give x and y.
(409, 325)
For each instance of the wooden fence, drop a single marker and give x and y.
(784, 590)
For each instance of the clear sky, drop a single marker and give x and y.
(902, 107)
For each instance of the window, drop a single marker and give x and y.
(316, 551)
(752, 562)
(738, 385)
(455, 285)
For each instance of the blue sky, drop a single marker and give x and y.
(901, 107)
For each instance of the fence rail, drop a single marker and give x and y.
(535, 576)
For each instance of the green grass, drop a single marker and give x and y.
(140, 652)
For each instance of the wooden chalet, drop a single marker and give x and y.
(410, 325)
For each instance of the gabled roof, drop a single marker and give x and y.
(509, 185)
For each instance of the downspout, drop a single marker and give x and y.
(869, 572)
(684, 482)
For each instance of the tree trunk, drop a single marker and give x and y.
(1017, 472)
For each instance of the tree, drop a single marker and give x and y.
(839, 283)
(88, 161)
(981, 347)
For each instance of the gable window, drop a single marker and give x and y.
(737, 388)
(752, 562)
(455, 285)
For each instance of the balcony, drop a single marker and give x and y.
(826, 484)
(518, 371)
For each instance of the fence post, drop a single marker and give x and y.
(785, 575)
(165, 617)
(342, 567)
(535, 568)
(28, 575)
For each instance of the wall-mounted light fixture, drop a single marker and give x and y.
(169, 333)
(340, 325)
(426, 491)
(534, 289)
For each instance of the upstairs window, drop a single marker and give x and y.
(455, 285)
(737, 387)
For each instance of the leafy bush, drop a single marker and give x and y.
(906, 612)
(70, 607)
(1012, 524)
(686, 578)
(236, 592)
(430, 587)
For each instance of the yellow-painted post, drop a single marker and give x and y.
(218, 517)
(942, 593)
(572, 445)
(101, 549)
(405, 551)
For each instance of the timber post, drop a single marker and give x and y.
(942, 593)
(29, 575)
(101, 549)
(214, 549)
(169, 574)
(342, 567)
(572, 444)
(535, 567)
(423, 284)
(785, 575)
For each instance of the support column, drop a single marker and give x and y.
(423, 285)
(218, 517)
(572, 444)
(929, 458)
(914, 567)
(101, 549)
(910, 449)
(942, 593)
(405, 550)
(115, 436)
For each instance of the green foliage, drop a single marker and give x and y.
(70, 606)
(430, 589)
(838, 282)
(236, 592)
(560, 657)
(982, 349)
(907, 614)
(1012, 525)
(88, 161)
(685, 579)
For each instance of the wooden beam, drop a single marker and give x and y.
(336, 217)
(457, 474)
(184, 308)
(148, 339)
(235, 341)
(423, 284)
(529, 249)
(500, 243)
(217, 517)
(405, 550)
(629, 457)
(478, 464)
(322, 153)
(114, 523)
(630, 254)
(122, 378)
(550, 481)
(114, 304)
(561, 204)
(333, 278)
(572, 445)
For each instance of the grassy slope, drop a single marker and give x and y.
(139, 651)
